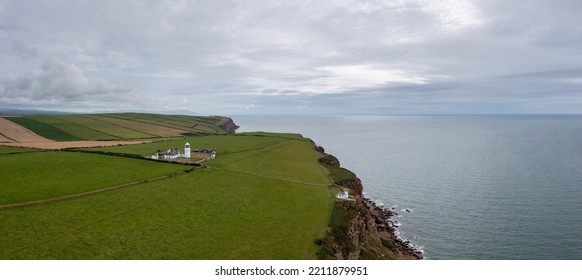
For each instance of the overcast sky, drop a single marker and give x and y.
(293, 57)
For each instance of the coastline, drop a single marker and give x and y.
(409, 250)
(359, 227)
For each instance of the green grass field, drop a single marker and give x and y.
(12, 150)
(44, 175)
(240, 217)
(77, 130)
(190, 123)
(265, 196)
(105, 127)
(157, 119)
(225, 145)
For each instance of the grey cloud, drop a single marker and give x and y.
(20, 49)
(60, 83)
(17, 48)
(556, 74)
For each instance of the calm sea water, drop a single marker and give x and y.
(478, 187)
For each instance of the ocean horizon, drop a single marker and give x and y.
(464, 186)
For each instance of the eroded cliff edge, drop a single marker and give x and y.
(229, 126)
(359, 228)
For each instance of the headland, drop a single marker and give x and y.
(275, 189)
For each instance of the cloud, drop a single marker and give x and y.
(57, 83)
(16, 48)
(334, 56)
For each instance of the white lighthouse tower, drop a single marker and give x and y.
(187, 150)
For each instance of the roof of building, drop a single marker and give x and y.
(172, 152)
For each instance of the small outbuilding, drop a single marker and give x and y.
(342, 195)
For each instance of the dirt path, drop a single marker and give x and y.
(12, 132)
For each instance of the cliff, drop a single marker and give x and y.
(229, 126)
(360, 229)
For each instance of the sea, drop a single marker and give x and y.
(464, 187)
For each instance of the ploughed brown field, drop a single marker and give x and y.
(4, 139)
(15, 135)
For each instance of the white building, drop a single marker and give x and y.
(173, 153)
(186, 154)
(187, 151)
(342, 195)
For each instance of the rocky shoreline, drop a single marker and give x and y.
(387, 230)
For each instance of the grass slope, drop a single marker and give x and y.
(194, 124)
(105, 127)
(44, 175)
(263, 197)
(152, 129)
(239, 217)
(74, 129)
(158, 119)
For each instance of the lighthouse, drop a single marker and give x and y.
(187, 150)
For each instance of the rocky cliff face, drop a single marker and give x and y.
(229, 126)
(360, 229)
